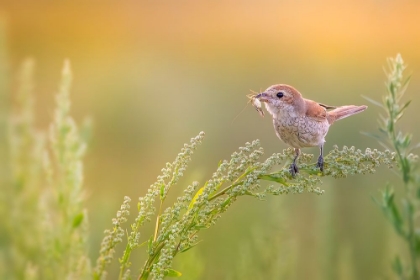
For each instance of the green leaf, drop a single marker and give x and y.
(405, 85)
(199, 192)
(226, 202)
(373, 101)
(404, 106)
(77, 220)
(201, 226)
(417, 243)
(407, 140)
(162, 192)
(383, 131)
(150, 246)
(374, 136)
(274, 178)
(391, 209)
(408, 207)
(251, 194)
(397, 266)
(192, 246)
(388, 104)
(173, 273)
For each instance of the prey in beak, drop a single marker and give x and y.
(263, 97)
(255, 100)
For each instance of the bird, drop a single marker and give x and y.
(301, 122)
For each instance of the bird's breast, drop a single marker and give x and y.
(300, 131)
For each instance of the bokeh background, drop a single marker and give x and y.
(153, 74)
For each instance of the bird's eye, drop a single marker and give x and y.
(280, 94)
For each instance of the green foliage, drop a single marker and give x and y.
(25, 148)
(64, 219)
(46, 184)
(112, 238)
(402, 216)
(44, 194)
(178, 226)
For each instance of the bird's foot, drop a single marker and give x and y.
(293, 169)
(320, 163)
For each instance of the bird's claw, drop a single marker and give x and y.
(320, 163)
(293, 169)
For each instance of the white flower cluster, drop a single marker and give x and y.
(111, 239)
(177, 228)
(170, 176)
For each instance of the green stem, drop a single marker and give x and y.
(158, 221)
(412, 243)
(148, 265)
(124, 261)
(393, 111)
(234, 184)
(120, 275)
(222, 192)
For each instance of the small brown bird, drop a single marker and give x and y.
(301, 122)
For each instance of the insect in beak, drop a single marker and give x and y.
(255, 101)
(263, 97)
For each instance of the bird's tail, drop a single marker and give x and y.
(344, 112)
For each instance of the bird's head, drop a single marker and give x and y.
(280, 97)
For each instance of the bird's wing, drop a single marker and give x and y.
(327, 107)
(315, 111)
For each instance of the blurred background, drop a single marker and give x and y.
(153, 74)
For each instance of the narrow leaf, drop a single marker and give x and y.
(173, 273)
(226, 202)
(417, 243)
(192, 246)
(373, 101)
(150, 246)
(408, 207)
(200, 226)
(162, 192)
(78, 220)
(374, 136)
(397, 266)
(198, 193)
(391, 210)
(405, 106)
(274, 178)
(404, 87)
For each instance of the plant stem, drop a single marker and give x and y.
(412, 242)
(158, 220)
(147, 266)
(222, 192)
(234, 184)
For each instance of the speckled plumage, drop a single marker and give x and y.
(300, 131)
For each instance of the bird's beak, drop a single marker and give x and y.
(263, 97)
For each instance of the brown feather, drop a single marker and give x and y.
(315, 111)
(344, 112)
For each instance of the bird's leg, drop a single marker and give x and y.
(293, 167)
(320, 163)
